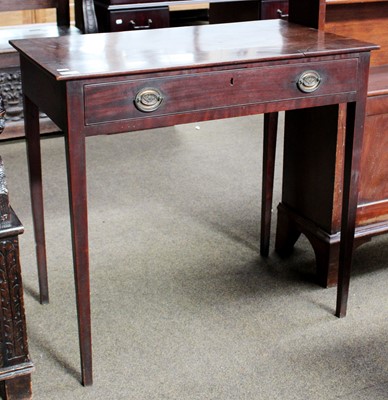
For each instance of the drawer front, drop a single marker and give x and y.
(225, 12)
(144, 18)
(179, 94)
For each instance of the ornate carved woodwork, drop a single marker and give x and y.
(10, 91)
(14, 344)
(12, 116)
(2, 114)
(15, 365)
(85, 16)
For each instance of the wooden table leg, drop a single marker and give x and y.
(354, 130)
(31, 118)
(76, 169)
(355, 118)
(269, 152)
(76, 166)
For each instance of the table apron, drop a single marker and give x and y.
(214, 114)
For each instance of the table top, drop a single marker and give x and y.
(119, 53)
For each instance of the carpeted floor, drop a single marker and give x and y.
(183, 306)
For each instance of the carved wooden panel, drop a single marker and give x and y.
(11, 92)
(4, 199)
(15, 366)
(12, 122)
(13, 343)
(14, 338)
(2, 114)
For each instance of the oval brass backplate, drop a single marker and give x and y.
(309, 81)
(148, 99)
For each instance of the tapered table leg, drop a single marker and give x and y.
(31, 117)
(355, 118)
(349, 207)
(269, 152)
(76, 167)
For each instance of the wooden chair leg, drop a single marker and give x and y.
(269, 152)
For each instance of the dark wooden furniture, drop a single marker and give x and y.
(312, 170)
(2, 115)
(119, 15)
(271, 9)
(15, 364)
(180, 75)
(232, 11)
(10, 86)
(123, 15)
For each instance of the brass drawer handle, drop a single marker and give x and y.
(133, 25)
(148, 99)
(309, 81)
(280, 14)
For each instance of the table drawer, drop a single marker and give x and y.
(135, 19)
(143, 98)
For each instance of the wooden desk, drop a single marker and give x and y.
(118, 82)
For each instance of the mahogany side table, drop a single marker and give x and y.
(124, 81)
